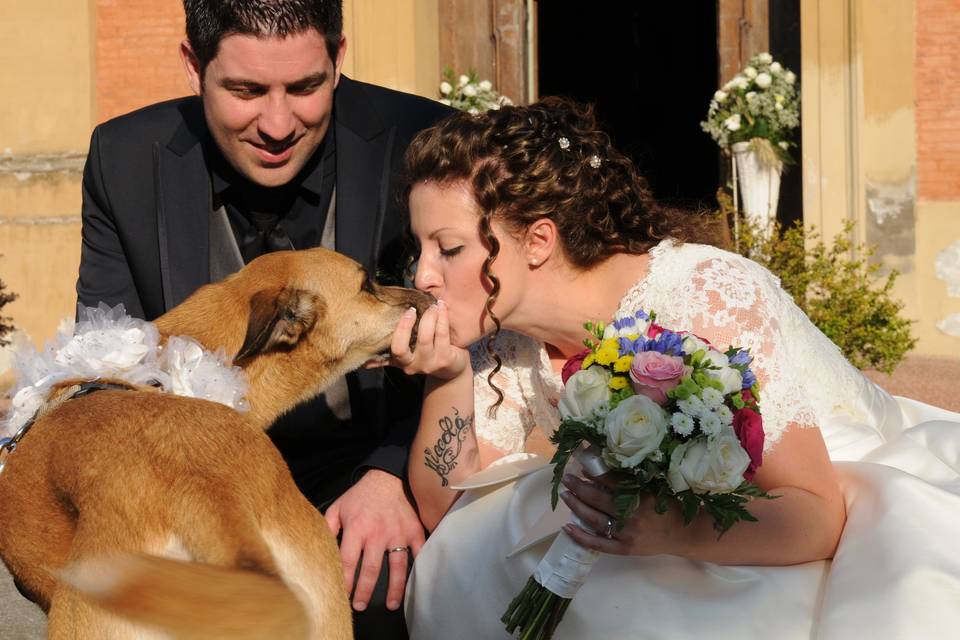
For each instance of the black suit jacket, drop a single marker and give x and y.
(146, 207)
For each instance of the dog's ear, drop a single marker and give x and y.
(279, 317)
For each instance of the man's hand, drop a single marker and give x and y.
(375, 517)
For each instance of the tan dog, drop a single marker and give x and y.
(179, 514)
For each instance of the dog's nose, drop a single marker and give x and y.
(421, 301)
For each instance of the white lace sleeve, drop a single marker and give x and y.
(508, 428)
(729, 300)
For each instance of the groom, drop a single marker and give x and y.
(278, 150)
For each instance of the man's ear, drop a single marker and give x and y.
(192, 66)
(338, 63)
(279, 318)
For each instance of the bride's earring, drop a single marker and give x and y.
(534, 262)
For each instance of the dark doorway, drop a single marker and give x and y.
(650, 68)
(785, 47)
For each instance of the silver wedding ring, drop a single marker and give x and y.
(608, 532)
(397, 549)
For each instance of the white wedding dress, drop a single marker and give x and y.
(896, 572)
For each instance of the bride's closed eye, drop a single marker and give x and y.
(449, 253)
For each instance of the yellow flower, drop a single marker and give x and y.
(606, 355)
(589, 360)
(618, 382)
(633, 336)
(622, 364)
(611, 343)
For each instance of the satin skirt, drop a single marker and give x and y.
(896, 572)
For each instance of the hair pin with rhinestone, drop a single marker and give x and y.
(564, 143)
(595, 161)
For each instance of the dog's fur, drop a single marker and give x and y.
(178, 515)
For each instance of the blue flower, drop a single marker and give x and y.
(668, 343)
(630, 347)
(641, 315)
(749, 379)
(742, 357)
(623, 323)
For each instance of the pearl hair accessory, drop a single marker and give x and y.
(595, 161)
(564, 143)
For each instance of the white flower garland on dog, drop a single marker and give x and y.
(108, 343)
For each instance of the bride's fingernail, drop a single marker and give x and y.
(565, 495)
(568, 479)
(441, 304)
(410, 313)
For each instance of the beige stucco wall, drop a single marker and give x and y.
(45, 54)
(48, 52)
(860, 151)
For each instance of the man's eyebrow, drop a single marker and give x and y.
(313, 79)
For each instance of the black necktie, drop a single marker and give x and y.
(257, 241)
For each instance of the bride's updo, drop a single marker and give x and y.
(548, 160)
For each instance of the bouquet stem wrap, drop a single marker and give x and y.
(539, 607)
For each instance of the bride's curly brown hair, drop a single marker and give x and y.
(546, 160)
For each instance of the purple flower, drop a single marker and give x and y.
(623, 323)
(749, 379)
(641, 315)
(630, 347)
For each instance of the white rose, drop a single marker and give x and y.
(741, 82)
(733, 122)
(708, 465)
(470, 91)
(790, 77)
(445, 88)
(751, 96)
(486, 85)
(775, 68)
(750, 72)
(764, 80)
(691, 344)
(463, 80)
(584, 393)
(730, 378)
(634, 430)
(764, 58)
(720, 96)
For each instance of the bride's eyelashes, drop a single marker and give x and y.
(449, 253)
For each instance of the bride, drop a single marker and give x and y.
(529, 224)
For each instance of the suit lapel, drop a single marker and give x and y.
(183, 211)
(364, 150)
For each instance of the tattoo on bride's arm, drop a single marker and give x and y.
(442, 457)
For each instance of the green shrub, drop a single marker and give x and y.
(842, 292)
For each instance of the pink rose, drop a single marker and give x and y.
(652, 374)
(573, 365)
(748, 425)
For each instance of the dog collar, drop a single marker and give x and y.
(9, 445)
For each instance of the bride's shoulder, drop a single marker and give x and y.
(689, 260)
(514, 349)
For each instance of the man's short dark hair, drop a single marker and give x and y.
(210, 21)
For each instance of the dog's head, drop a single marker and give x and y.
(320, 301)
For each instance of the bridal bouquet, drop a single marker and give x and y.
(667, 415)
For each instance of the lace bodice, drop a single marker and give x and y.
(719, 296)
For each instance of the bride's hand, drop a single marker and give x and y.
(433, 354)
(644, 533)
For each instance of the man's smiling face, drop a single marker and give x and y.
(268, 101)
